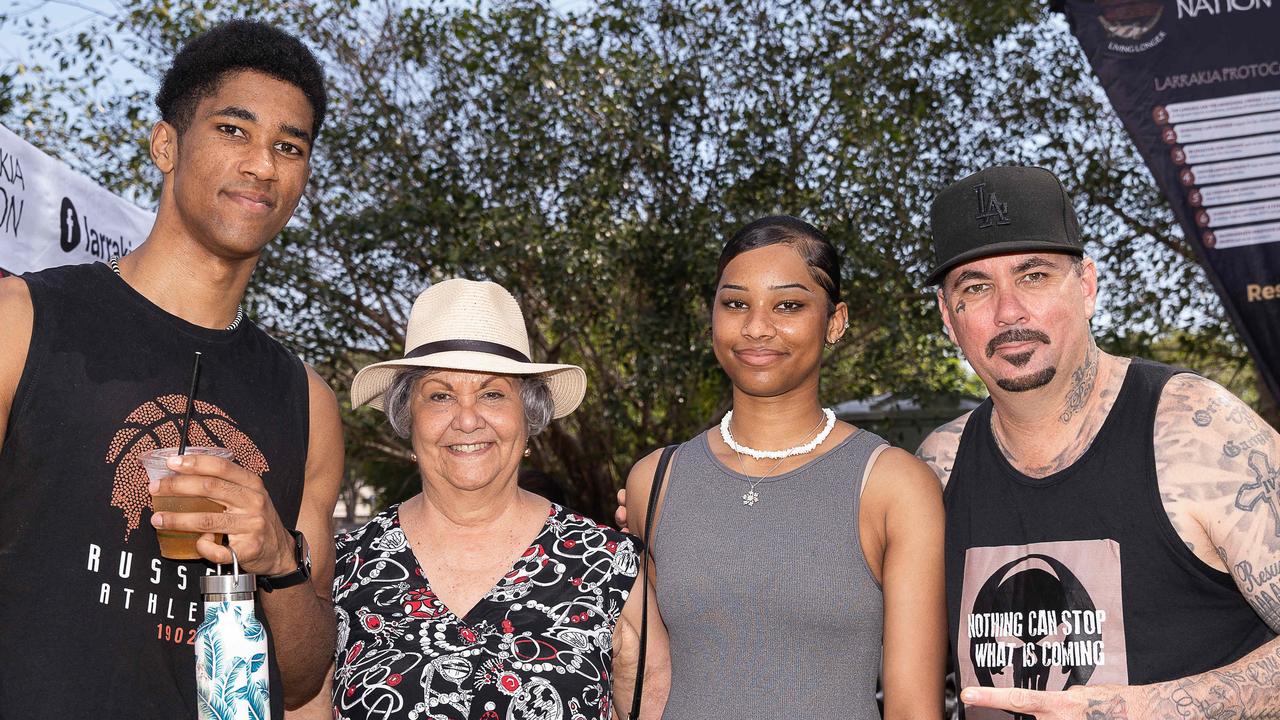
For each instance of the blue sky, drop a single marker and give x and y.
(66, 17)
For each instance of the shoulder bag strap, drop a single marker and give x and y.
(645, 556)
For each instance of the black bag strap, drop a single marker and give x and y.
(646, 555)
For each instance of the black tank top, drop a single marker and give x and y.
(1079, 577)
(93, 622)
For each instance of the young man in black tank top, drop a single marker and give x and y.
(1113, 525)
(241, 107)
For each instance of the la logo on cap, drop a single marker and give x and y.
(990, 210)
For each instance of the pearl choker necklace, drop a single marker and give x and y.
(776, 454)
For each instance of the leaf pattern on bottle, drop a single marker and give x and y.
(231, 668)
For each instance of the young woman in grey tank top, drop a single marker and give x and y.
(780, 575)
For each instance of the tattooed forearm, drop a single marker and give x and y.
(1082, 381)
(1244, 689)
(1110, 709)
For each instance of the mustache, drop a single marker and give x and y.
(1015, 335)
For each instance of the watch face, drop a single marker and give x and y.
(304, 548)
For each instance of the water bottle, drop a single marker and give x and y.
(231, 650)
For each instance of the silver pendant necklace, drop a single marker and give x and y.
(115, 267)
(751, 496)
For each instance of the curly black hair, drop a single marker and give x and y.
(236, 45)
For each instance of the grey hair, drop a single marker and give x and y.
(535, 397)
(539, 407)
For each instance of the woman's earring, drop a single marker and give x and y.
(528, 451)
(413, 456)
(833, 343)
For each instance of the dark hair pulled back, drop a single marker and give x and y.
(819, 254)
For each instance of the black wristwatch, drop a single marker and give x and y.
(301, 553)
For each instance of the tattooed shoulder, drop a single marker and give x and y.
(1192, 478)
(1218, 467)
(939, 449)
(1200, 423)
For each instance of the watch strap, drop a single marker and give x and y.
(297, 577)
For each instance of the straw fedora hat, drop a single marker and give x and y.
(468, 325)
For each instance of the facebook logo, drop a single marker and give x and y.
(70, 225)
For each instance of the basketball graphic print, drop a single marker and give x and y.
(157, 424)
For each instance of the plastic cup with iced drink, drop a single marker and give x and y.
(177, 544)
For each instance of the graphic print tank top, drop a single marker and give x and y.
(1079, 577)
(93, 622)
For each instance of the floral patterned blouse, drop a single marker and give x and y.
(538, 645)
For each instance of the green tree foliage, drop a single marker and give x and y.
(594, 161)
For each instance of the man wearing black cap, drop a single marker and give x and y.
(1111, 522)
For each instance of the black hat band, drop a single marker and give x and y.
(480, 346)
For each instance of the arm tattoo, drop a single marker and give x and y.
(1204, 416)
(1244, 689)
(1262, 490)
(1111, 709)
(1082, 381)
(1262, 584)
(1219, 486)
(938, 450)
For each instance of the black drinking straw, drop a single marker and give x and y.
(191, 398)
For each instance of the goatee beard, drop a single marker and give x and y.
(1019, 360)
(1027, 382)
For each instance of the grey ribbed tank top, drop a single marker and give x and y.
(772, 610)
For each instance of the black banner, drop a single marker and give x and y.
(1197, 85)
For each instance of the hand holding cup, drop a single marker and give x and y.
(246, 514)
(176, 544)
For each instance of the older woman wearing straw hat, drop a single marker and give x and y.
(477, 599)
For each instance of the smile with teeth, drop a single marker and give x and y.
(470, 447)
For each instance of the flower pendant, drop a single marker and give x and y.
(750, 497)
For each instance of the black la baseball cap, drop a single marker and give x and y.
(1000, 210)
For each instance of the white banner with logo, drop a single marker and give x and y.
(51, 215)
